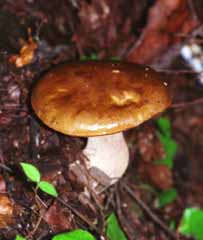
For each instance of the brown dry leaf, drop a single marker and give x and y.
(158, 175)
(58, 218)
(6, 211)
(168, 21)
(196, 121)
(2, 184)
(5, 119)
(26, 54)
(149, 145)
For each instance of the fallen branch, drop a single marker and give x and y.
(155, 218)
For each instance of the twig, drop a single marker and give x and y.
(36, 226)
(3, 166)
(193, 11)
(39, 201)
(187, 103)
(34, 135)
(155, 218)
(12, 109)
(110, 199)
(100, 209)
(176, 71)
(123, 221)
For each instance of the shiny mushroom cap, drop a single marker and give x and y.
(99, 97)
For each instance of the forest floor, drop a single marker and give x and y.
(49, 38)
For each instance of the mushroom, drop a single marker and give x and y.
(100, 100)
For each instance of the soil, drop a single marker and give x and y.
(37, 35)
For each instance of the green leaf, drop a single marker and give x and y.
(185, 225)
(172, 225)
(18, 237)
(74, 235)
(115, 58)
(170, 148)
(48, 188)
(192, 223)
(31, 171)
(167, 197)
(93, 56)
(113, 230)
(164, 125)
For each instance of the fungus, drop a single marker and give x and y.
(99, 100)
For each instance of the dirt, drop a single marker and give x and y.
(34, 38)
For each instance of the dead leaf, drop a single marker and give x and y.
(168, 20)
(26, 54)
(2, 185)
(158, 175)
(149, 145)
(6, 211)
(58, 218)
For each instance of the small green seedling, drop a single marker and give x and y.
(113, 230)
(165, 136)
(78, 234)
(34, 175)
(192, 223)
(166, 197)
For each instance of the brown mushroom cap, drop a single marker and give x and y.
(98, 97)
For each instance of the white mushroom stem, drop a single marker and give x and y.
(109, 154)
